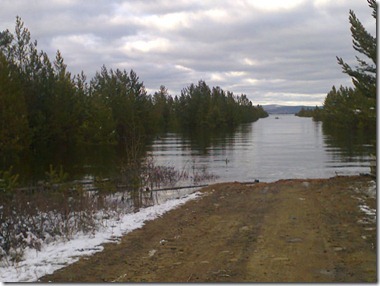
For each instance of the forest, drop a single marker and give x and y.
(42, 103)
(44, 108)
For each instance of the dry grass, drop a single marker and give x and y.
(55, 209)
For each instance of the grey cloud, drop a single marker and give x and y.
(227, 43)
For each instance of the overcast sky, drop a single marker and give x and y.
(274, 51)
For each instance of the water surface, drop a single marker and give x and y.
(277, 147)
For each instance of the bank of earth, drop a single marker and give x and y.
(313, 230)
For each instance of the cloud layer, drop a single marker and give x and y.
(274, 51)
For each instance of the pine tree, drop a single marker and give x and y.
(14, 131)
(364, 75)
(355, 107)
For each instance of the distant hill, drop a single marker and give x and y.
(284, 109)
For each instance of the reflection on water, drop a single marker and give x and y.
(349, 144)
(268, 150)
(78, 162)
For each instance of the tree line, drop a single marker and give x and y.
(42, 103)
(353, 107)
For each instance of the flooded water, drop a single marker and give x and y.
(267, 150)
(277, 147)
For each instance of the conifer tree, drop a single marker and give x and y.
(355, 107)
(364, 75)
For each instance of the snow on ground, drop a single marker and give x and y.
(59, 254)
(371, 192)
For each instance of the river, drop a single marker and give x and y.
(273, 148)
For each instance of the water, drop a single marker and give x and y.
(268, 150)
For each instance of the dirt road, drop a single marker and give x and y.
(287, 231)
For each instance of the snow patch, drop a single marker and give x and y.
(371, 190)
(59, 254)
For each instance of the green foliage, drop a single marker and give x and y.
(162, 109)
(364, 75)
(202, 107)
(65, 108)
(53, 113)
(8, 181)
(315, 113)
(355, 108)
(42, 104)
(349, 108)
(54, 176)
(305, 112)
(123, 106)
(14, 132)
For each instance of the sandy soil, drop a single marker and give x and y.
(287, 231)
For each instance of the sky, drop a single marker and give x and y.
(274, 51)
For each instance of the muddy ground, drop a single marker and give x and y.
(287, 231)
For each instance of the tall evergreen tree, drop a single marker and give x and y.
(364, 75)
(14, 131)
(355, 108)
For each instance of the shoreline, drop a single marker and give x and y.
(294, 230)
